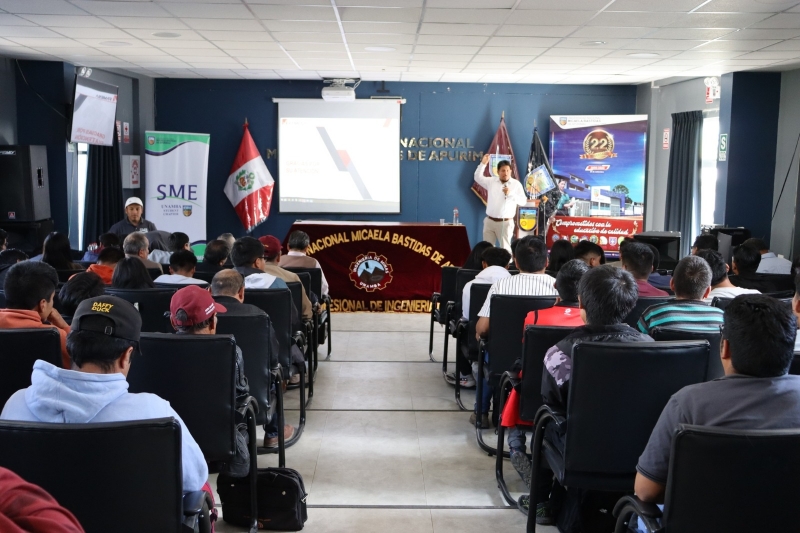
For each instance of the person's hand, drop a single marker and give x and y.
(505, 190)
(57, 320)
(485, 159)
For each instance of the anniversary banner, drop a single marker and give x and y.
(384, 267)
(608, 232)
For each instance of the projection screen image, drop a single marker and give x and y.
(338, 157)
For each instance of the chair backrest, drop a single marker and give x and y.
(780, 282)
(315, 275)
(195, 374)
(305, 279)
(155, 272)
(714, 369)
(64, 275)
(477, 296)
(721, 303)
(794, 367)
(537, 340)
(506, 327)
(723, 479)
(124, 477)
(153, 305)
(463, 276)
(19, 349)
(296, 288)
(177, 286)
(641, 305)
(277, 303)
(781, 295)
(616, 394)
(205, 276)
(253, 336)
(447, 290)
(2, 299)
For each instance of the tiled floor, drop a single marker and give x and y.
(385, 448)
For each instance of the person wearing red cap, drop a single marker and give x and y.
(272, 256)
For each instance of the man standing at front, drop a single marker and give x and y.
(503, 195)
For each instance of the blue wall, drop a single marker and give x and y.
(429, 190)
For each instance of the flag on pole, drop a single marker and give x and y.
(501, 145)
(249, 186)
(537, 156)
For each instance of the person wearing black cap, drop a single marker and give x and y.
(103, 339)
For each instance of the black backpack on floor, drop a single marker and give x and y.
(281, 499)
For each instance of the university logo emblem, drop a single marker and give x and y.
(527, 219)
(151, 140)
(245, 180)
(562, 121)
(371, 272)
(187, 210)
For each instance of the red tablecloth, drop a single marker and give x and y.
(384, 266)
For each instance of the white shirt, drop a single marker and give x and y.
(160, 256)
(523, 285)
(729, 292)
(177, 279)
(324, 281)
(498, 205)
(487, 275)
(772, 264)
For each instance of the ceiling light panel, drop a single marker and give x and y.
(294, 12)
(210, 11)
(656, 5)
(517, 30)
(453, 40)
(151, 24)
(246, 36)
(466, 16)
(122, 9)
(635, 20)
(363, 14)
(719, 20)
(429, 28)
(389, 39)
(303, 37)
(67, 21)
(748, 6)
(379, 27)
(26, 31)
(302, 25)
(224, 24)
(552, 17)
(41, 7)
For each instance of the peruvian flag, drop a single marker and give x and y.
(249, 186)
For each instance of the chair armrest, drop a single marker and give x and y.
(435, 298)
(511, 377)
(558, 418)
(193, 502)
(460, 326)
(648, 513)
(249, 402)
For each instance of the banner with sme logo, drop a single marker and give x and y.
(177, 177)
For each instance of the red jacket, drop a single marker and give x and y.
(28, 508)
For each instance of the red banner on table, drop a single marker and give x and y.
(391, 267)
(605, 231)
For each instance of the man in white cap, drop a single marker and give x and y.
(133, 221)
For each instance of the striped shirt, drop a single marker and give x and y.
(521, 285)
(682, 314)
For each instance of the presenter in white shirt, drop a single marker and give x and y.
(503, 196)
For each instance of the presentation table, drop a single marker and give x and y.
(384, 266)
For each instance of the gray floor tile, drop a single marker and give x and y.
(375, 486)
(481, 521)
(467, 487)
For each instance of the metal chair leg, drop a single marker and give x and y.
(253, 445)
(281, 449)
(498, 466)
(478, 399)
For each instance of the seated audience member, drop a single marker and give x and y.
(590, 253)
(214, 257)
(606, 295)
(181, 270)
(106, 263)
(28, 508)
(134, 221)
(3, 240)
(227, 288)
(247, 256)
(720, 284)
(228, 238)
(566, 312)
(30, 288)
(272, 256)
(706, 241)
(691, 282)
(57, 252)
(176, 242)
(297, 257)
(561, 252)
(745, 263)
(770, 263)
(9, 258)
(755, 393)
(104, 338)
(637, 259)
(80, 287)
(130, 273)
(136, 245)
(475, 258)
(655, 279)
(106, 240)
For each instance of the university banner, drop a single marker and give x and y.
(384, 267)
(608, 232)
(177, 177)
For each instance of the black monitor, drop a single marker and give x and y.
(738, 235)
(668, 244)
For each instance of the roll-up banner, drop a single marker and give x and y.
(177, 178)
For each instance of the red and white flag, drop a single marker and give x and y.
(249, 186)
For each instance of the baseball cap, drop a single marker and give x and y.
(272, 246)
(133, 200)
(122, 320)
(197, 303)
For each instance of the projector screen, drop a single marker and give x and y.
(94, 112)
(338, 157)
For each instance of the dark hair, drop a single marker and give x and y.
(110, 255)
(245, 251)
(77, 289)
(473, 262)
(57, 252)
(760, 331)
(298, 240)
(11, 256)
(181, 315)
(568, 278)
(97, 348)
(586, 248)
(226, 282)
(637, 259)
(531, 255)
(3, 237)
(503, 163)
(716, 263)
(494, 256)
(182, 260)
(130, 273)
(691, 277)
(108, 239)
(561, 252)
(607, 294)
(706, 241)
(28, 283)
(758, 243)
(177, 241)
(747, 258)
(216, 252)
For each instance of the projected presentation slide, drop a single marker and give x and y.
(338, 157)
(93, 113)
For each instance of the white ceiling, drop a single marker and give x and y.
(525, 41)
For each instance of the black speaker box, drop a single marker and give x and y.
(24, 186)
(668, 244)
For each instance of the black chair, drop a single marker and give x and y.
(178, 286)
(196, 375)
(312, 327)
(305, 335)
(723, 479)
(64, 275)
(454, 311)
(536, 342)
(504, 346)
(85, 264)
(153, 305)
(439, 302)
(205, 276)
(3, 299)
(721, 303)
(19, 349)
(322, 319)
(125, 477)
(714, 370)
(155, 272)
(780, 282)
(641, 306)
(616, 394)
(781, 295)
(464, 332)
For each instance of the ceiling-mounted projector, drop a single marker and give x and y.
(339, 91)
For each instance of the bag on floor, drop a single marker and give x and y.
(281, 499)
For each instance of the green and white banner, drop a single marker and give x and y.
(177, 178)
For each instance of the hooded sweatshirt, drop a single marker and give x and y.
(74, 397)
(258, 279)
